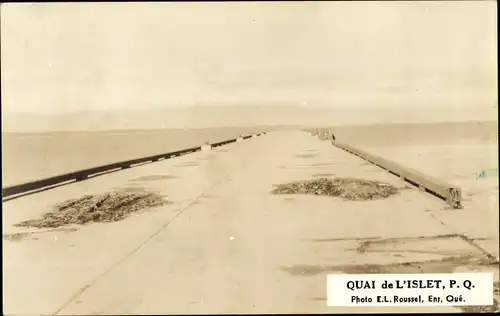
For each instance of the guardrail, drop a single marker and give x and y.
(450, 193)
(86, 173)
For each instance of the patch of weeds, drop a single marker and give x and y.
(108, 207)
(346, 188)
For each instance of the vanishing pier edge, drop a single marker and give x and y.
(84, 174)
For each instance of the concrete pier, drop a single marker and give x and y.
(225, 244)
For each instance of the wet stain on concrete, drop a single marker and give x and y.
(294, 167)
(154, 178)
(320, 175)
(23, 235)
(366, 247)
(319, 240)
(130, 189)
(324, 164)
(446, 265)
(318, 298)
(16, 236)
(377, 244)
(306, 156)
(187, 164)
(208, 158)
(363, 163)
(208, 196)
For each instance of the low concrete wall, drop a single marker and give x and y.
(450, 193)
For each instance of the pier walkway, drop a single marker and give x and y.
(225, 244)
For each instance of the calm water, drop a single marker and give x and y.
(459, 164)
(453, 152)
(30, 156)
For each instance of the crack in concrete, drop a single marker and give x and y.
(142, 244)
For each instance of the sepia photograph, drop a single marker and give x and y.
(260, 157)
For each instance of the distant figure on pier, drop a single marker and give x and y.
(331, 134)
(206, 146)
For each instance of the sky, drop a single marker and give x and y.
(63, 57)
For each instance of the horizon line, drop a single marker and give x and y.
(305, 107)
